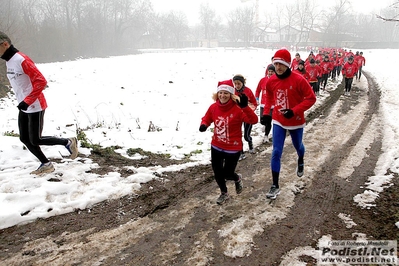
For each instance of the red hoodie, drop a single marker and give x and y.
(262, 89)
(228, 119)
(349, 70)
(360, 61)
(314, 72)
(326, 66)
(293, 92)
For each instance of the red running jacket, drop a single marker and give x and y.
(293, 92)
(228, 119)
(349, 70)
(314, 72)
(262, 89)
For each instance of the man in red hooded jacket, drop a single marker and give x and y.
(291, 95)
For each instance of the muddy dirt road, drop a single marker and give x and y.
(174, 219)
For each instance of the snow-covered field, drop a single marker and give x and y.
(115, 99)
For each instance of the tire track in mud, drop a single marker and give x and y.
(184, 226)
(316, 210)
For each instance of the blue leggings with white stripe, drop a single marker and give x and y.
(279, 135)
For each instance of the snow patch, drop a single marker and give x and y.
(375, 185)
(347, 220)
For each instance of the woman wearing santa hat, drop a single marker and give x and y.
(227, 113)
(291, 95)
(238, 82)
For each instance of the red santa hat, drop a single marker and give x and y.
(226, 85)
(282, 56)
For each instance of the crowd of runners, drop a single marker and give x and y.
(287, 90)
(329, 63)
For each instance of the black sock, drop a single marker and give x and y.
(237, 177)
(275, 176)
(251, 145)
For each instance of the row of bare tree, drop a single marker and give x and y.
(56, 30)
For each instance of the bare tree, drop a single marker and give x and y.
(393, 18)
(9, 14)
(160, 29)
(241, 24)
(291, 15)
(179, 26)
(286, 18)
(306, 15)
(51, 30)
(32, 16)
(387, 30)
(279, 20)
(261, 28)
(335, 21)
(233, 27)
(208, 21)
(171, 28)
(267, 21)
(247, 22)
(129, 21)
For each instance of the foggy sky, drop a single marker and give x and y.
(191, 8)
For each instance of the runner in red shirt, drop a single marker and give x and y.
(291, 96)
(348, 71)
(295, 61)
(262, 89)
(314, 72)
(326, 68)
(238, 82)
(227, 114)
(361, 61)
(301, 70)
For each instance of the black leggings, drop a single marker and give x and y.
(359, 73)
(30, 133)
(224, 165)
(247, 132)
(348, 84)
(339, 68)
(334, 72)
(268, 126)
(324, 79)
(315, 86)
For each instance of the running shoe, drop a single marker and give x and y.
(300, 170)
(44, 168)
(72, 147)
(222, 198)
(239, 185)
(273, 192)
